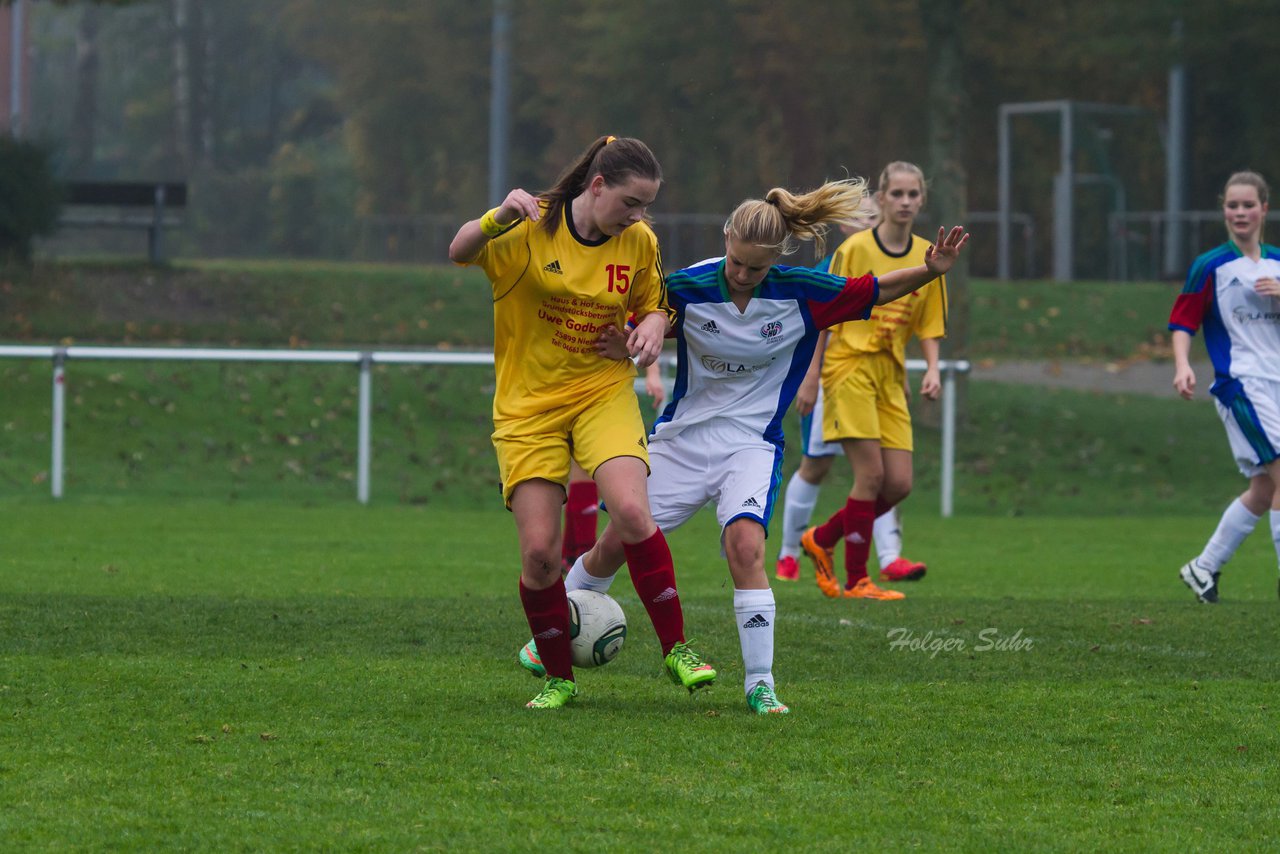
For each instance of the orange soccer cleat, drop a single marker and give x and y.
(867, 589)
(821, 558)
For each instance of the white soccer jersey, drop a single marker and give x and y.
(747, 365)
(1241, 328)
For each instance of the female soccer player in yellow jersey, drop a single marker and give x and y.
(864, 385)
(564, 265)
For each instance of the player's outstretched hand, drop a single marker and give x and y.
(940, 256)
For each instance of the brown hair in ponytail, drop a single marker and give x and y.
(616, 159)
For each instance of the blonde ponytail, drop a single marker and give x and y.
(781, 220)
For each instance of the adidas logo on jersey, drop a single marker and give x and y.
(756, 622)
(751, 502)
(554, 267)
(710, 326)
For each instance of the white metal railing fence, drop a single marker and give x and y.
(365, 360)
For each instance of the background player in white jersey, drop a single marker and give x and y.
(745, 332)
(864, 389)
(1233, 291)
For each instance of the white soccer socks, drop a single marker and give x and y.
(755, 613)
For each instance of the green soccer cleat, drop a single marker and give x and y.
(530, 660)
(686, 667)
(554, 694)
(763, 701)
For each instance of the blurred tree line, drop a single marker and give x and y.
(317, 127)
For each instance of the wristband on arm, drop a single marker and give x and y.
(490, 227)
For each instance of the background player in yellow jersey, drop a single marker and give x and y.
(817, 457)
(564, 265)
(864, 385)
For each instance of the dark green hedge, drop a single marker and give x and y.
(30, 197)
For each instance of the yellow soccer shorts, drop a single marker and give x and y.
(869, 402)
(592, 431)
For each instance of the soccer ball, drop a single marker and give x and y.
(597, 628)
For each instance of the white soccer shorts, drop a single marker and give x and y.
(719, 462)
(1252, 420)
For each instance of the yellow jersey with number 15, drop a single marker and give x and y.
(922, 313)
(551, 298)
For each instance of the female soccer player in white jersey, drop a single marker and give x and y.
(745, 332)
(1233, 291)
(565, 264)
(864, 390)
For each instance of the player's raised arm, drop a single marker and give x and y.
(474, 234)
(937, 260)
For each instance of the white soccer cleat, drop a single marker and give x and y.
(1202, 581)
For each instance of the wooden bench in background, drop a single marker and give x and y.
(135, 204)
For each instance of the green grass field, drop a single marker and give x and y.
(259, 676)
(209, 645)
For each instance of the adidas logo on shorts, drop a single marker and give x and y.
(756, 622)
(751, 502)
(554, 267)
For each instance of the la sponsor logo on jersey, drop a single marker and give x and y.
(1244, 315)
(554, 267)
(716, 365)
(772, 329)
(710, 326)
